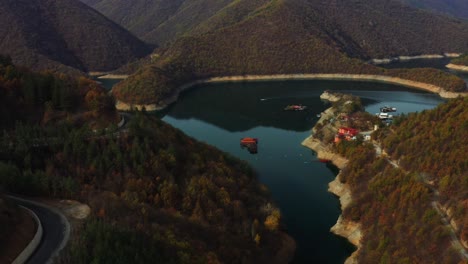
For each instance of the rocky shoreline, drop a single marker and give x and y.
(123, 106)
(457, 67)
(114, 76)
(345, 228)
(418, 57)
(107, 75)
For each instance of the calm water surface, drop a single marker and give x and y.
(108, 83)
(221, 114)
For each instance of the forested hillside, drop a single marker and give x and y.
(154, 186)
(434, 144)
(366, 29)
(456, 8)
(155, 193)
(159, 21)
(462, 60)
(295, 37)
(42, 98)
(395, 204)
(64, 35)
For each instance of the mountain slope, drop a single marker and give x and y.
(298, 36)
(382, 28)
(160, 21)
(456, 8)
(155, 194)
(363, 28)
(52, 33)
(403, 198)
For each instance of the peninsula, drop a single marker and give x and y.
(459, 64)
(370, 181)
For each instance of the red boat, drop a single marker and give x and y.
(325, 160)
(248, 140)
(250, 144)
(295, 107)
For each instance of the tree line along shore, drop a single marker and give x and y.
(388, 211)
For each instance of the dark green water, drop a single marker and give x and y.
(108, 83)
(221, 114)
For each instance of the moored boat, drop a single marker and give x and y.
(387, 109)
(295, 107)
(384, 116)
(250, 144)
(249, 140)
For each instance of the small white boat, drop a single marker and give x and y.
(387, 109)
(384, 116)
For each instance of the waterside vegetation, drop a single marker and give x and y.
(396, 192)
(462, 60)
(147, 183)
(279, 38)
(45, 98)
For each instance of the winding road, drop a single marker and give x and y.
(56, 230)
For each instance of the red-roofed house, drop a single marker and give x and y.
(346, 133)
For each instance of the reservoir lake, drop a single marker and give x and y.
(221, 114)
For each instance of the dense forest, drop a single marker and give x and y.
(147, 183)
(151, 185)
(42, 98)
(440, 135)
(65, 36)
(281, 37)
(395, 204)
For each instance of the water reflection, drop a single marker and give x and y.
(242, 106)
(222, 114)
(251, 144)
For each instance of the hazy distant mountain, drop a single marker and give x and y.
(457, 8)
(158, 21)
(62, 34)
(296, 36)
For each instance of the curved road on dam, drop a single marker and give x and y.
(56, 230)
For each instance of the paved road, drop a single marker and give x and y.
(56, 230)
